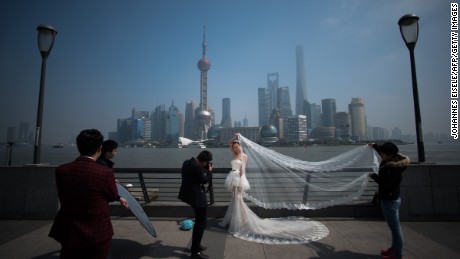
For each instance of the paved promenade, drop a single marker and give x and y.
(348, 238)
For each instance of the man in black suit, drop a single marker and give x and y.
(195, 173)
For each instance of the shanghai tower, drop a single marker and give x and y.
(301, 87)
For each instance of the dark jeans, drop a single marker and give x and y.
(198, 228)
(390, 210)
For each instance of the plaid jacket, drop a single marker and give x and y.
(85, 188)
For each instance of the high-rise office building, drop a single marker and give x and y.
(137, 131)
(273, 85)
(297, 128)
(158, 120)
(139, 114)
(141, 125)
(358, 119)
(307, 110)
(284, 102)
(212, 121)
(301, 87)
(173, 123)
(190, 125)
(124, 130)
(396, 133)
(342, 125)
(284, 106)
(379, 133)
(279, 123)
(264, 106)
(147, 129)
(316, 115)
(226, 117)
(313, 113)
(328, 114)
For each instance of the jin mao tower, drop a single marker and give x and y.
(226, 117)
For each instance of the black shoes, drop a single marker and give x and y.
(199, 255)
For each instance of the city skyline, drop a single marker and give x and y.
(125, 55)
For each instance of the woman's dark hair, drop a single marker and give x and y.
(236, 142)
(108, 146)
(204, 156)
(89, 141)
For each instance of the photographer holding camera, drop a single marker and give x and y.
(195, 173)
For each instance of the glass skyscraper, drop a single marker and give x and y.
(226, 117)
(358, 119)
(190, 122)
(264, 106)
(284, 102)
(173, 123)
(301, 87)
(329, 111)
(158, 118)
(273, 85)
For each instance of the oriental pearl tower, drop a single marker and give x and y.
(203, 116)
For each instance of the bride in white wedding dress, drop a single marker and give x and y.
(243, 223)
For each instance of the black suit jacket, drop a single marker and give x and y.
(192, 190)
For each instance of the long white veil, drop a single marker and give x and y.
(279, 181)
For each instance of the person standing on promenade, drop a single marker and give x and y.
(85, 188)
(108, 152)
(195, 173)
(389, 179)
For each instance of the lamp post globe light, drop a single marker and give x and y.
(408, 25)
(46, 35)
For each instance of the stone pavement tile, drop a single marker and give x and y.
(215, 238)
(35, 244)
(431, 239)
(238, 248)
(355, 239)
(11, 229)
(288, 251)
(348, 239)
(131, 240)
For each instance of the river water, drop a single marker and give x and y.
(173, 157)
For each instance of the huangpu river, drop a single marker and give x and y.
(128, 157)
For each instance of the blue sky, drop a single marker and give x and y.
(112, 56)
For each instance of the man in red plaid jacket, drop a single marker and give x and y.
(85, 188)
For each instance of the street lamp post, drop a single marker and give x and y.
(46, 35)
(408, 25)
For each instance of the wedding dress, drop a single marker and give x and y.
(243, 223)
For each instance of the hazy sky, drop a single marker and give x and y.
(112, 56)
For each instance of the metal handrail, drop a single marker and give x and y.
(163, 184)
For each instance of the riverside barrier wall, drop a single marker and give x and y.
(430, 192)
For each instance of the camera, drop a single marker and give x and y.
(210, 186)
